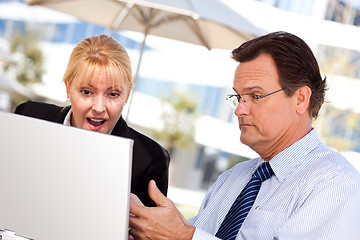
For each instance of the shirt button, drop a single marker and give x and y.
(257, 208)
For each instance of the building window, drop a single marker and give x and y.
(344, 11)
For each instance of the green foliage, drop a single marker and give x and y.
(30, 69)
(337, 127)
(178, 122)
(29, 65)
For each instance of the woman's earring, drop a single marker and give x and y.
(68, 101)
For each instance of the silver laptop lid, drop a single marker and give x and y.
(59, 182)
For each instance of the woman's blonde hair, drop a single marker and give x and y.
(97, 53)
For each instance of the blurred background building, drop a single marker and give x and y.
(179, 96)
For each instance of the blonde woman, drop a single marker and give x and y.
(98, 82)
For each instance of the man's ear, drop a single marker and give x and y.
(303, 95)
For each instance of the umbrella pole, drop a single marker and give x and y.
(136, 73)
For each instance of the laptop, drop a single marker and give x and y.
(62, 183)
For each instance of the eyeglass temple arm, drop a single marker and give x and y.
(271, 93)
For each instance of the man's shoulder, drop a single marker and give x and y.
(327, 165)
(330, 159)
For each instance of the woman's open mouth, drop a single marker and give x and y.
(96, 122)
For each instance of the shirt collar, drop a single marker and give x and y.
(67, 120)
(286, 161)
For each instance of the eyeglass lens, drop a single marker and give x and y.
(233, 100)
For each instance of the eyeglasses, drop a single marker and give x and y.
(234, 99)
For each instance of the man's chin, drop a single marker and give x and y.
(247, 140)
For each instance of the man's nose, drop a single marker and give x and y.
(242, 108)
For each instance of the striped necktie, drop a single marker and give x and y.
(243, 203)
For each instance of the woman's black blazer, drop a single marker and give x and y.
(150, 160)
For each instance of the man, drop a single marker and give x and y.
(307, 190)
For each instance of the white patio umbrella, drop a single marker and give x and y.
(17, 11)
(209, 23)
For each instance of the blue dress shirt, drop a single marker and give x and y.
(314, 194)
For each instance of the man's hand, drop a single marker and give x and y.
(161, 222)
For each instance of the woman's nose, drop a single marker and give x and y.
(99, 104)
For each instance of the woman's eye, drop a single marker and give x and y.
(114, 94)
(85, 92)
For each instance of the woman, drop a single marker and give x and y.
(98, 82)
